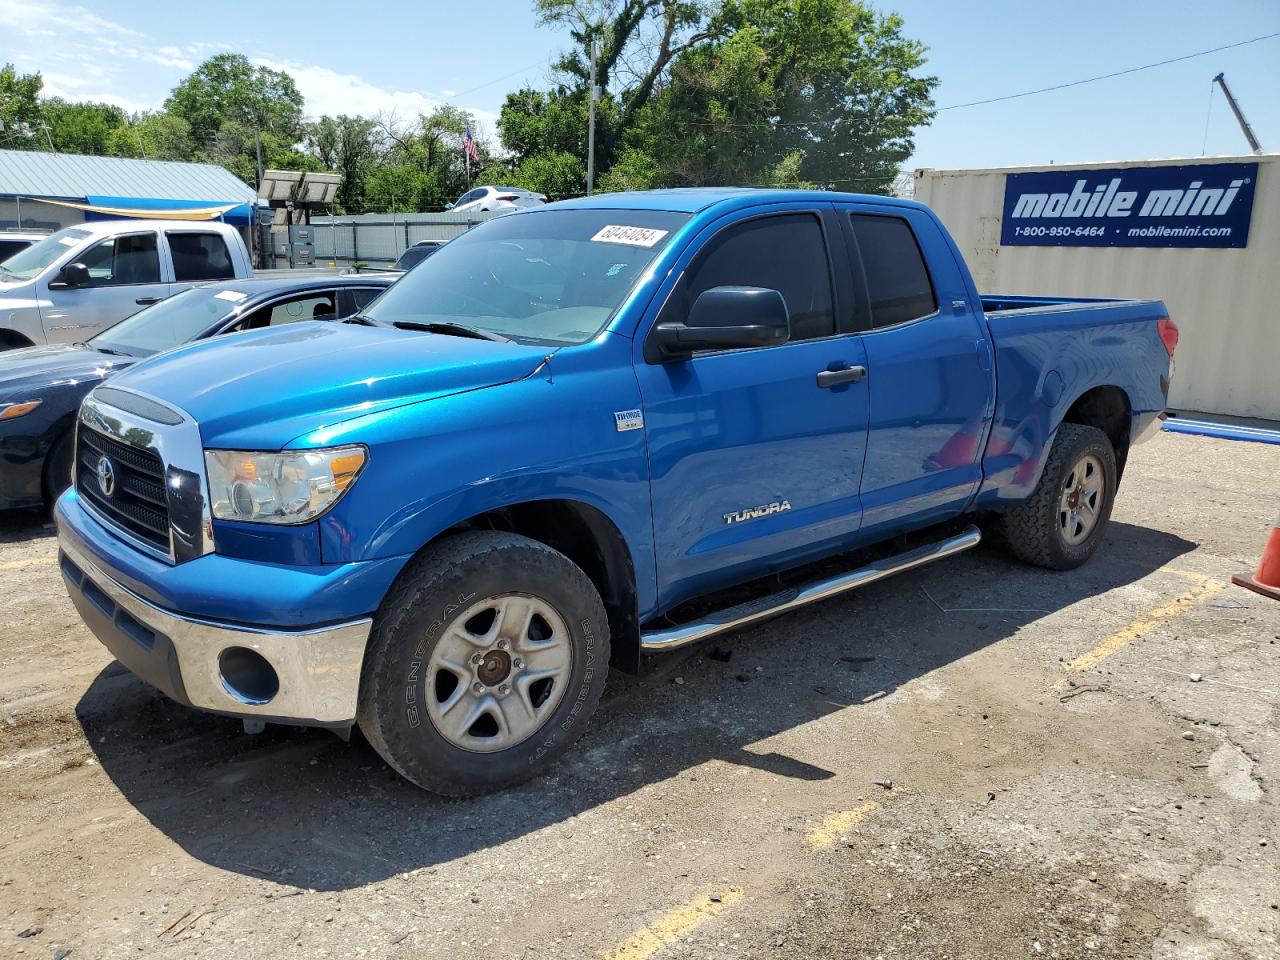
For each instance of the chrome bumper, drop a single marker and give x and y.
(318, 670)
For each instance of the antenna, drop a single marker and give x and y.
(1221, 81)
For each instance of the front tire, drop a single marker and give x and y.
(1060, 526)
(485, 661)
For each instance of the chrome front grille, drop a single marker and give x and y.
(139, 468)
(136, 500)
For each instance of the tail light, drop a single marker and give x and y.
(1168, 331)
(509, 197)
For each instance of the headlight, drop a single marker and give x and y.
(293, 486)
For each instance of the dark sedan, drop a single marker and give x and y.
(41, 387)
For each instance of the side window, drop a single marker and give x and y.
(361, 297)
(200, 256)
(786, 253)
(897, 279)
(308, 306)
(312, 307)
(9, 247)
(123, 260)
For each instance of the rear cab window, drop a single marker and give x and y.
(200, 256)
(897, 278)
(9, 247)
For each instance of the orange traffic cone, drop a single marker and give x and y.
(1267, 580)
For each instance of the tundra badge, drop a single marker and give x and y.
(754, 513)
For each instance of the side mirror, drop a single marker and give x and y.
(72, 275)
(448, 206)
(727, 318)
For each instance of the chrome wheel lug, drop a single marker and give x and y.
(502, 644)
(518, 663)
(476, 660)
(478, 687)
(504, 689)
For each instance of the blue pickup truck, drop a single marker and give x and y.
(576, 435)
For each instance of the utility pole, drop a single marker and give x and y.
(592, 94)
(257, 146)
(1254, 145)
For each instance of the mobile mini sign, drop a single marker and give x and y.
(1198, 205)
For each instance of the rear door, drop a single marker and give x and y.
(929, 380)
(124, 277)
(752, 463)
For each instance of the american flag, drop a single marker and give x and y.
(469, 146)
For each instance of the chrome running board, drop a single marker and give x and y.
(668, 638)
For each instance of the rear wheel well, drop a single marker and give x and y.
(588, 538)
(1108, 409)
(11, 340)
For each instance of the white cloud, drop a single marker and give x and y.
(40, 17)
(329, 92)
(85, 56)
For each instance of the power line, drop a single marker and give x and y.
(977, 103)
(1108, 76)
(489, 83)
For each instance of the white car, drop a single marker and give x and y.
(496, 200)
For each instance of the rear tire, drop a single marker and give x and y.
(485, 662)
(1061, 524)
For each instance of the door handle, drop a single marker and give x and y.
(833, 378)
(147, 301)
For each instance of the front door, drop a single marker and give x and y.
(753, 461)
(124, 277)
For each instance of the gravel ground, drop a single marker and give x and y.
(974, 760)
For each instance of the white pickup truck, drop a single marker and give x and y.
(83, 279)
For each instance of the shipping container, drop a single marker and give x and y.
(1073, 234)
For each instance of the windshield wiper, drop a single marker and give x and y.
(102, 349)
(452, 329)
(363, 319)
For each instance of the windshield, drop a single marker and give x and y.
(33, 261)
(170, 323)
(555, 276)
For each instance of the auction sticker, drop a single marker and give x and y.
(235, 296)
(631, 236)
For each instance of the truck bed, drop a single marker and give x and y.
(1007, 303)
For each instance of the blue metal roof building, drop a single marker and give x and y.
(53, 190)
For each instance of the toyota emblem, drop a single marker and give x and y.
(106, 476)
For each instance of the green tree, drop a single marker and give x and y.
(81, 127)
(346, 146)
(422, 165)
(234, 109)
(20, 109)
(155, 135)
(771, 92)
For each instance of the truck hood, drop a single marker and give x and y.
(56, 365)
(262, 389)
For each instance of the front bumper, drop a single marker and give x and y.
(316, 671)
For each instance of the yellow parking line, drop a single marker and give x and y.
(29, 562)
(830, 829)
(677, 924)
(1121, 638)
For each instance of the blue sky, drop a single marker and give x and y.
(408, 56)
